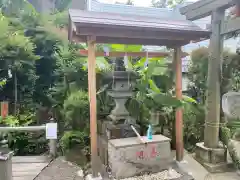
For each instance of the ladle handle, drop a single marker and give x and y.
(138, 135)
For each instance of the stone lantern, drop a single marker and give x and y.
(118, 123)
(122, 84)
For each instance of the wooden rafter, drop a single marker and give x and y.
(132, 54)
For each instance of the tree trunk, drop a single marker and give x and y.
(15, 93)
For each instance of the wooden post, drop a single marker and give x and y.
(179, 115)
(211, 133)
(4, 109)
(92, 101)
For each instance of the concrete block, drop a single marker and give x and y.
(210, 155)
(214, 160)
(129, 157)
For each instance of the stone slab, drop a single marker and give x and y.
(129, 157)
(60, 169)
(218, 168)
(191, 166)
(210, 155)
(129, 142)
(214, 160)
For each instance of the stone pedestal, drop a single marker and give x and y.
(214, 160)
(129, 157)
(107, 130)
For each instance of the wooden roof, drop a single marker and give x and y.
(117, 28)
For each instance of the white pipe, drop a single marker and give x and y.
(27, 128)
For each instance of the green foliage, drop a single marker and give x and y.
(60, 19)
(62, 5)
(76, 110)
(70, 139)
(194, 118)
(166, 3)
(226, 139)
(104, 101)
(198, 71)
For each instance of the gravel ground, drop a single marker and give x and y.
(164, 175)
(60, 169)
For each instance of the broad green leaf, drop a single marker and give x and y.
(130, 66)
(140, 63)
(118, 47)
(150, 69)
(153, 86)
(189, 99)
(126, 48)
(133, 48)
(159, 59)
(3, 82)
(157, 71)
(166, 100)
(101, 63)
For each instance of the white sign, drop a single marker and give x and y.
(51, 131)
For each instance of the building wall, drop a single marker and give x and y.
(78, 4)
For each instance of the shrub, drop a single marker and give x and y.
(76, 111)
(194, 117)
(70, 139)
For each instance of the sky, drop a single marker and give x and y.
(136, 2)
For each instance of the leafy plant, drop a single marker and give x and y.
(71, 139)
(194, 117)
(76, 110)
(226, 139)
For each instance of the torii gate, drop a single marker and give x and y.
(210, 152)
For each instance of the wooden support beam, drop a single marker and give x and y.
(230, 26)
(132, 54)
(93, 102)
(204, 8)
(179, 113)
